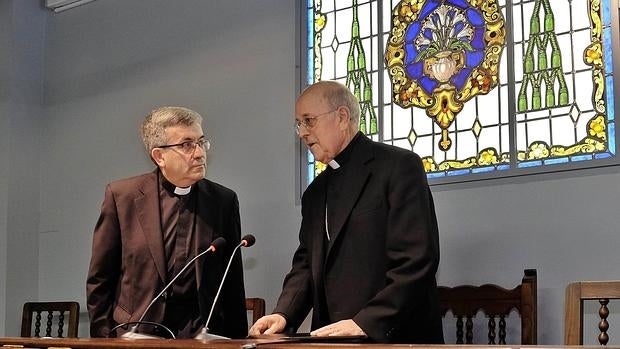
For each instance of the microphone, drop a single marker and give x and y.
(132, 334)
(246, 241)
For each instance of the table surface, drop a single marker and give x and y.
(267, 342)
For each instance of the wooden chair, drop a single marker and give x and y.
(576, 294)
(55, 311)
(495, 302)
(256, 306)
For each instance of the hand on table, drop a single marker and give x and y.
(341, 328)
(269, 324)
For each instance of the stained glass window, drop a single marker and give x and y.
(475, 87)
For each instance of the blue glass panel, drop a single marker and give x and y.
(607, 44)
(428, 84)
(460, 79)
(483, 169)
(435, 175)
(458, 27)
(602, 156)
(412, 31)
(556, 161)
(310, 56)
(606, 18)
(609, 86)
(477, 42)
(612, 137)
(474, 17)
(503, 167)
(415, 70)
(458, 172)
(473, 59)
(429, 7)
(459, 3)
(428, 33)
(581, 157)
(529, 164)
(411, 52)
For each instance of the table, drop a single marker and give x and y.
(261, 343)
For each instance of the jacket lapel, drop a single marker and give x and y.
(147, 204)
(357, 176)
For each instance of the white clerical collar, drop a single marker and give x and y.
(182, 191)
(334, 164)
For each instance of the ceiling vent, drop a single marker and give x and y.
(63, 5)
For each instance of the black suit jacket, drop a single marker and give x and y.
(128, 264)
(379, 268)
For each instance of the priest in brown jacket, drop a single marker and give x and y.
(151, 225)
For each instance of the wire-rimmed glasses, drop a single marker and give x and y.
(188, 147)
(309, 121)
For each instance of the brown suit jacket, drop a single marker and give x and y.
(128, 264)
(379, 268)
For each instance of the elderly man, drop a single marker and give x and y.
(152, 225)
(369, 248)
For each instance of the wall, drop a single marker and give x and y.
(564, 226)
(108, 63)
(5, 41)
(20, 106)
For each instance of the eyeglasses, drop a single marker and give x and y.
(188, 147)
(310, 121)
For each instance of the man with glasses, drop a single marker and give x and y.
(369, 245)
(152, 225)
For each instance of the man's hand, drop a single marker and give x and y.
(269, 324)
(341, 328)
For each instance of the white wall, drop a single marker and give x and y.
(108, 63)
(5, 40)
(21, 67)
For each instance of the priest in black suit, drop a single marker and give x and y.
(369, 245)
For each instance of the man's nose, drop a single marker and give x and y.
(199, 152)
(303, 131)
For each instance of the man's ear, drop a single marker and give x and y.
(157, 156)
(344, 115)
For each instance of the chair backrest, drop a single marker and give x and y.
(256, 306)
(576, 294)
(54, 312)
(495, 302)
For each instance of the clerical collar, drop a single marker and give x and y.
(344, 156)
(182, 191)
(172, 188)
(334, 164)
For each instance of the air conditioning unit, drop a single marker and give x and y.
(63, 5)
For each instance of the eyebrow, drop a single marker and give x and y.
(186, 139)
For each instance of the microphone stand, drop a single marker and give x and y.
(132, 334)
(204, 334)
(136, 335)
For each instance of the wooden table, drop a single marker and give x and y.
(262, 343)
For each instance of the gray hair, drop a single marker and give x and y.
(156, 122)
(337, 94)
